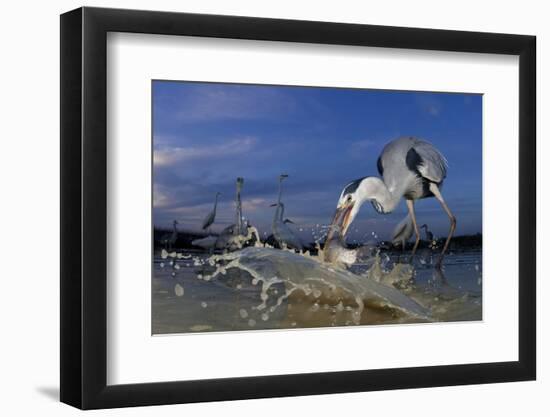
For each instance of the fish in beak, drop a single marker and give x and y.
(342, 219)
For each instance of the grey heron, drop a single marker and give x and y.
(235, 235)
(169, 239)
(209, 219)
(411, 169)
(429, 235)
(238, 229)
(281, 232)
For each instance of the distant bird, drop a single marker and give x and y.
(411, 169)
(238, 229)
(403, 232)
(209, 219)
(429, 235)
(169, 239)
(207, 242)
(425, 255)
(281, 232)
(230, 237)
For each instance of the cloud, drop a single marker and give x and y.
(255, 204)
(161, 198)
(168, 156)
(232, 102)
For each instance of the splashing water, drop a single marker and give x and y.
(260, 287)
(303, 276)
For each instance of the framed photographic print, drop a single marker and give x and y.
(258, 208)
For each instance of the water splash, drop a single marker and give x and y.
(323, 284)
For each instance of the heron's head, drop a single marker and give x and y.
(240, 182)
(175, 222)
(352, 198)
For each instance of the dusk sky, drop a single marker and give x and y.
(205, 135)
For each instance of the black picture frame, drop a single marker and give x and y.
(84, 207)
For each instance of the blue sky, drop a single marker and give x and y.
(207, 134)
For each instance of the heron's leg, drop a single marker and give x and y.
(435, 190)
(410, 206)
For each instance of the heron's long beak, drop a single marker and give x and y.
(342, 218)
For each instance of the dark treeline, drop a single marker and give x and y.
(186, 237)
(184, 240)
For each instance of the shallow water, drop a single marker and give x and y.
(265, 288)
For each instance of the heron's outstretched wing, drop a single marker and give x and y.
(428, 161)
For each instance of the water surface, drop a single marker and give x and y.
(264, 288)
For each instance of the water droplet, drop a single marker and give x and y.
(251, 322)
(265, 317)
(243, 313)
(204, 304)
(178, 289)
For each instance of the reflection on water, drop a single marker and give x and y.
(266, 288)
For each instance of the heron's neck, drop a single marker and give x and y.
(278, 213)
(280, 191)
(175, 227)
(216, 202)
(373, 188)
(239, 218)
